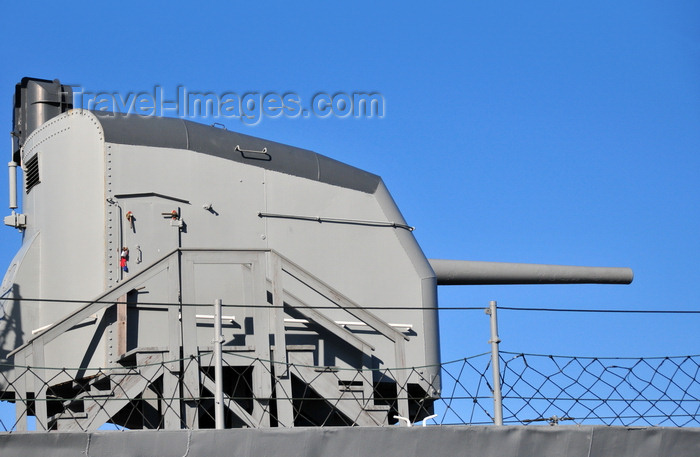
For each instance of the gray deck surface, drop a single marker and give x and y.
(440, 441)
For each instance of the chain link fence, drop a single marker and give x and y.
(536, 389)
(550, 389)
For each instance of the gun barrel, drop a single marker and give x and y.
(466, 272)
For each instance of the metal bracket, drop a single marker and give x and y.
(16, 220)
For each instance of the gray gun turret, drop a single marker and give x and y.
(133, 227)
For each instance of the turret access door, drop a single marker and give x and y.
(151, 226)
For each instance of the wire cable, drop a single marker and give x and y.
(370, 308)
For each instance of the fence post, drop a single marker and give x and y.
(495, 365)
(218, 376)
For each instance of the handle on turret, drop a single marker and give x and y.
(466, 272)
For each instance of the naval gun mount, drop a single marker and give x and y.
(330, 305)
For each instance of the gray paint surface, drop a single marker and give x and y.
(180, 134)
(442, 441)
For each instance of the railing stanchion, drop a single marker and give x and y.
(495, 365)
(218, 376)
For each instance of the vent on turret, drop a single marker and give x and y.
(31, 173)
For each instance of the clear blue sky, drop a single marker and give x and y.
(547, 132)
